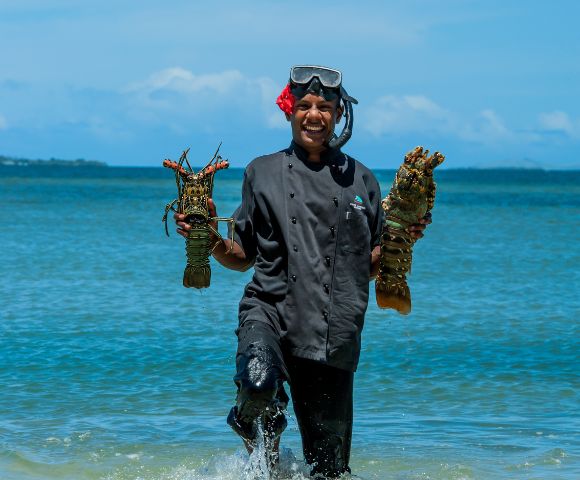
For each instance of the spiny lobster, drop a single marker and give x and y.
(193, 192)
(411, 197)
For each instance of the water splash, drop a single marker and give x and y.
(266, 463)
(237, 466)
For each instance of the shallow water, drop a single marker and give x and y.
(110, 369)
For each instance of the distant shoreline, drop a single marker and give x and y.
(52, 162)
(81, 162)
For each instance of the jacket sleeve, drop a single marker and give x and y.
(377, 209)
(244, 225)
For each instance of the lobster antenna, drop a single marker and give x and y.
(183, 157)
(177, 177)
(186, 160)
(217, 151)
(212, 158)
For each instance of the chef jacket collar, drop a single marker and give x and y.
(331, 156)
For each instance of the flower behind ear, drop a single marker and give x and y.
(286, 101)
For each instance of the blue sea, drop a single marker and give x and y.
(111, 370)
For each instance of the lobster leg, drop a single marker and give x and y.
(168, 207)
(220, 238)
(231, 222)
(217, 234)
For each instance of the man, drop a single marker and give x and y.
(309, 222)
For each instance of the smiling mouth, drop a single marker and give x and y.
(313, 129)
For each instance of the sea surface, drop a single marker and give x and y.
(111, 370)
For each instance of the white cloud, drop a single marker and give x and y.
(181, 93)
(410, 113)
(269, 91)
(418, 114)
(493, 125)
(181, 80)
(486, 127)
(558, 121)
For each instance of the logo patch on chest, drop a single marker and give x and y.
(358, 203)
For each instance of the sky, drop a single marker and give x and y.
(488, 83)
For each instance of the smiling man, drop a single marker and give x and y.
(309, 222)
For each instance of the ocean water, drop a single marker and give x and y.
(110, 369)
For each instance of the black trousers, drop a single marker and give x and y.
(321, 396)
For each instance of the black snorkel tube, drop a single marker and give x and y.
(347, 101)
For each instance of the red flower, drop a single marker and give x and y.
(286, 101)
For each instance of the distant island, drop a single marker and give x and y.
(52, 162)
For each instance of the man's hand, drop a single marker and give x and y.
(417, 229)
(226, 252)
(185, 227)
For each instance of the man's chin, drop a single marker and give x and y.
(312, 141)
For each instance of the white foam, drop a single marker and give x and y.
(241, 466)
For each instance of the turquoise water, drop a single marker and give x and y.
(110, 369)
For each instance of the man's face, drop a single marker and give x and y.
(313, 121)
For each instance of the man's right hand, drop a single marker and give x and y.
(184, 227)
(229, 254)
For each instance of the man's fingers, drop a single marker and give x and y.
(211, 208)
(427, 219)
(184, 226)
(180, 222)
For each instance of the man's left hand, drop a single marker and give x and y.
(417, 229)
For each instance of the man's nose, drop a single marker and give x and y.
(313, 113)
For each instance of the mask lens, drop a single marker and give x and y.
(304, 74)
(301, 75)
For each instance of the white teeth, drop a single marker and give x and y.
(312, 128)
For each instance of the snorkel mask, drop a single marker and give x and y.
(323, 82)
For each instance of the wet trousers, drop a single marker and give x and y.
(321, 396)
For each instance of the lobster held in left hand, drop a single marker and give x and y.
(410, 198)
(193, 193)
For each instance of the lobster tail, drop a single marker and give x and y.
(394, 295)
(391, 286)
(196, 276)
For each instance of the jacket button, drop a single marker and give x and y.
(291, 194)
(289, 165)
(327, 260)
(325, 314)
(331, 231)
(335, 200)
(326, 288)
(293, 219)
(295, 248)
(293, 277)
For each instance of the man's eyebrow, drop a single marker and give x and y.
(325, 103)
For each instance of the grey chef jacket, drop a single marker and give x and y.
(310, 228)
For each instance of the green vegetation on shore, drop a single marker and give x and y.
(52, 162)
